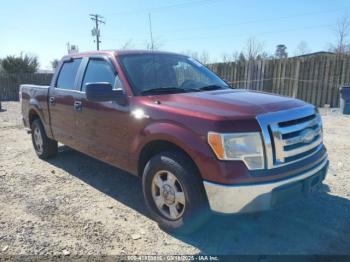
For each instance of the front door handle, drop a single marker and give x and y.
(77, 105)
(52, 101)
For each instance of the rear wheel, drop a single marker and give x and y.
(174, 193)
(44, 146)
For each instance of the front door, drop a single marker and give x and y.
(103, 126)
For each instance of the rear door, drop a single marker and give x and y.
(61, 102)
(103, 126)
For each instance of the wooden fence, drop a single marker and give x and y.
(315, 79)
(9, 84)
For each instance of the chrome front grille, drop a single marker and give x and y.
(290, 135)
(292, 140)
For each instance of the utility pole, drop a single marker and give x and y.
(150, 30)
(96, 31)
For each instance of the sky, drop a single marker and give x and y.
(44, 27)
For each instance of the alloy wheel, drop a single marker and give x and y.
(168, 195)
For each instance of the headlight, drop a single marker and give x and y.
(238, 146)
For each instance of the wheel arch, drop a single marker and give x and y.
(157, 146)
(36, 111)
(32, 115)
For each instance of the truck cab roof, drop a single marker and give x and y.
(117, 53)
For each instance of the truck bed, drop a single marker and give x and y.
(34, 96)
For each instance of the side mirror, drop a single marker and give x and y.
(103, 91)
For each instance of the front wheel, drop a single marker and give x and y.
(44, 146)
(174, 193)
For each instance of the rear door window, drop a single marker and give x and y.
(99, 70)
(68, 74)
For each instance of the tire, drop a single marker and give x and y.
(193, 210)
(46, 148)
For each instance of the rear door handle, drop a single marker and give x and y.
(52, 100)
(77, 105)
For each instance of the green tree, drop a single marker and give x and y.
(241, 57)
(281, 51)
(20, 64)
(54, 63)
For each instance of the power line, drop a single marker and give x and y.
(96, 31)
(263, 33)
(163, 7)
(259, 21)
(250, 21)
(241, 35)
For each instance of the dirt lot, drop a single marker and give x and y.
(76, 205)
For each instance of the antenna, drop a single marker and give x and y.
(150, 30)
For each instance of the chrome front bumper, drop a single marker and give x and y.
(252, 198)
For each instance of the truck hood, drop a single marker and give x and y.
(231, 103)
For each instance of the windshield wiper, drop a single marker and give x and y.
(210, 87)
(161, 90)
(170, 90)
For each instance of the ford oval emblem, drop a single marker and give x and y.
(307, 135)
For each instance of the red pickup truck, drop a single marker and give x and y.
(199, 145)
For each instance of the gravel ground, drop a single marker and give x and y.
(75, 205)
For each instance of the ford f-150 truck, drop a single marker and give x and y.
(199, 145)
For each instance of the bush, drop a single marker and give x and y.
(19, 64)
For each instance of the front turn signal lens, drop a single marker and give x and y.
(215, 142)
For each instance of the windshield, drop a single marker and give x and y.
(167, 73)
